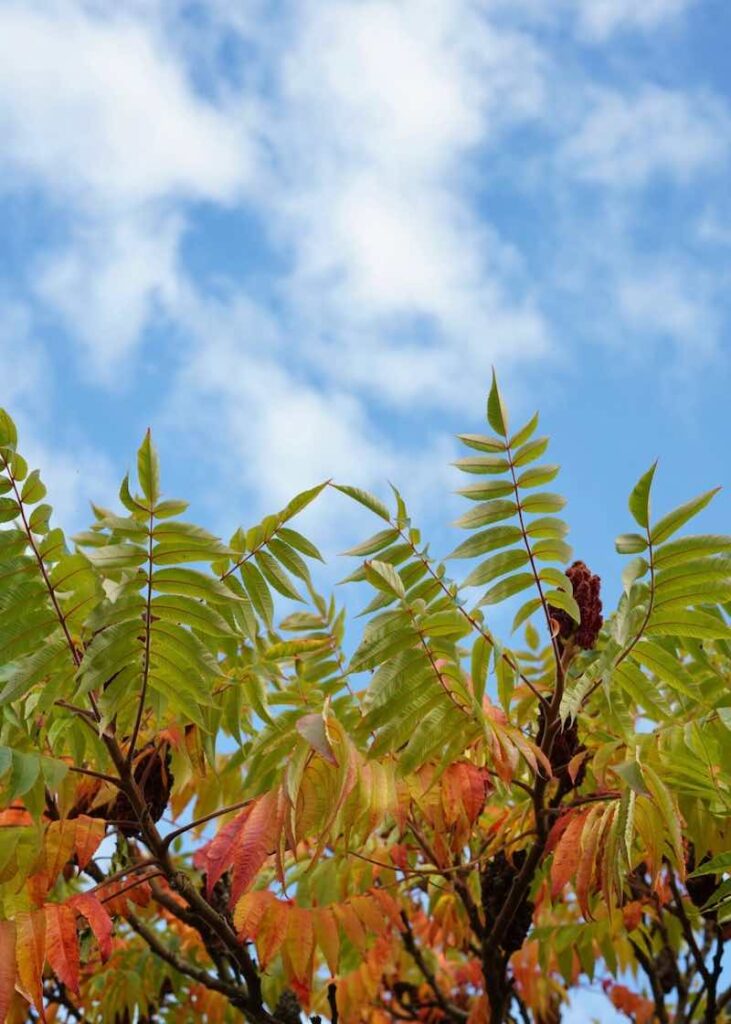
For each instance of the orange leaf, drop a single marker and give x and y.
(587, 863)
(271, 932)
(31, 955)
(369, 913)
(58, 848)
(566, 857)
(328, 937)
(217, 856)
(300, 943)
(255, 843)
(351, 925)
(7, 967)
(89, 834)
(249, 911)
(62, 945)
(99, 920)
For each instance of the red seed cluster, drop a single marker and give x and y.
(586, 587)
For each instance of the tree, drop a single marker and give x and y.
(208, 816)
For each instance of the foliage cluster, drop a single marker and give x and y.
(210, 812)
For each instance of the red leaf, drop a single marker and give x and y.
(58, 848)
(256, 841)
(215, 857)
(30, 953)
(62, 945)
(567, 855)
(99, 920)
(89, 834)
(7, 967)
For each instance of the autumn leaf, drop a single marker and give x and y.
(7, 967)
(89, 834)
(99, 920)
(217, 856)
(255, 842)
(62, 946)
(567, 854)
(327, 934)
(300, 942)
(31, 955)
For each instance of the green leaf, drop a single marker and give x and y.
(630, 543)
(487, 540)
(276, 576)
(531, 451)
(375, 543)
(483, 464)
(482, 443)
(686, 549)
(258, 591)
(8, 433)
(542, 502)
(524, 433)
(171, 507)
(485, 513)
(148, 469)
(697, 624)
(117, 556)
(496, 414)
(565, 601)
(715, 866)
(9, 509)
(496, 565)
(639, 499)
(299, 543)
(525, 611)
(631, 772)
(188, 612)
(507, 587)
(39, 519)
(547, 526)
(486, 490)
(552, 550)
(667, 526)
(633, 571)
(384, 577)
(538, 476)
(23, 774)
(33, 489)
(480, 660)
(364, 498)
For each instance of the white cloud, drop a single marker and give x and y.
(600, 18)
(675, 304)
(625, 139)
(25, 369)
(109, 280)
(94, 108)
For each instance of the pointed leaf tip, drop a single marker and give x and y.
(496, 413)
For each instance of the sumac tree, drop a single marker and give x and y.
(210, 813)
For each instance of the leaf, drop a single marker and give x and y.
(33, 489)
(524, 433)
(668, 525)
(9, 509)
(312, 728)
(542, 502)
(258, 591)
(697, 624)
(538, 476)
(217, 856)
(567, 854)
(88, 835)
(507, 587)
(482, 443)
(639, 499)
(485, 513)
(276, 576)
(384, 577)
(254, 843)
(272, 932)
(8, 432)
(90, 907)
(496, 415)
(62, 946)
(31, 955)
(300, 543)
(567, 602)
(630, 543)
(532, 451)
(365, 499)
(299, 942)
(485, 465)
(148, 469)
(328, 937)
(487, 540)
(376, 543)
(631, 772)
(7, 937)
(714, 866)
(497, 565)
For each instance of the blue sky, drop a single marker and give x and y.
(294, 237)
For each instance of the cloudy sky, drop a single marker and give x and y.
(294, 236)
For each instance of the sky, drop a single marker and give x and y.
(294, 237)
